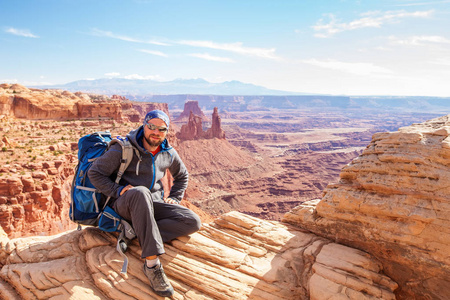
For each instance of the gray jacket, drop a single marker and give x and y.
(144, 170)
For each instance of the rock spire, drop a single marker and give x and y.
(193, 130)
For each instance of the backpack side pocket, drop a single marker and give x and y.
(109, 220)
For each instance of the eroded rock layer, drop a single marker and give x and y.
(191, 107)
(33, 196)
(393, 201)
(236, 257)
(20, 102)
(193, 130)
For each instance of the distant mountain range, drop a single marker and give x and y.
(122, 86)
(239, 96)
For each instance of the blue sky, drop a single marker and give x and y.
(384, 47)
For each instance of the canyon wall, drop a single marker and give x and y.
(33, 104)
(393, 201)
(33, 199)
(20, 102)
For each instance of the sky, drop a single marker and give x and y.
(342, 47)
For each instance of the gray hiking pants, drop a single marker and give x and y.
(155, 221)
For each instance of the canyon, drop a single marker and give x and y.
(380, 232)
(296, 204)
(280, 158)
(262, 163)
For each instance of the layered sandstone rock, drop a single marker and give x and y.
(393, 201)
(23, 103)
(20, 102)
(216, 130)
(37, 162)
(236, 257)
(191, 106)
(193, 130)
(33, 196)
(142, 108)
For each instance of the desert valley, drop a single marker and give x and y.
(263, 162)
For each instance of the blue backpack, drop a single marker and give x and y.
(86, 207)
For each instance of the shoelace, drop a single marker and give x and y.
(159, 273)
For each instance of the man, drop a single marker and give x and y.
(139, 196)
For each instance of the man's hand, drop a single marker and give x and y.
(126, 188)
(170, 200)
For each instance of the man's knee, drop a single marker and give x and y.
(194, 222)
(140, 190)
(139, 194)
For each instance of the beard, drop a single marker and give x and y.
(154, 143)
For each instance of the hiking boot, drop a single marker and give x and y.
(158, 280)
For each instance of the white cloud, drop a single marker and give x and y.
(20, 32)
(423, 3)
(420, 40)
(112, 74)
(207, 56)
(353, 68)
(10, 81)
(374, 19)
(158, 53)
(103, 33)
(137, 76)
(383, 48)
(237, 47)
(26, 83)
(442, 61)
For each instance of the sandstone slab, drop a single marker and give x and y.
(393, 201)
(235, 257)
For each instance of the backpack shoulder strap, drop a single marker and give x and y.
(127, 155)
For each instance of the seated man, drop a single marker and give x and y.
(139, 196)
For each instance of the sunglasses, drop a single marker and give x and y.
(154, 127)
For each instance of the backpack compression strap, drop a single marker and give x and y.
(126, 235)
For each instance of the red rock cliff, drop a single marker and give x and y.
(191, 106)
(23, 103)
(193, 130)
(216, 127)
(142, 108)
(393, 202)
(33, 196)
